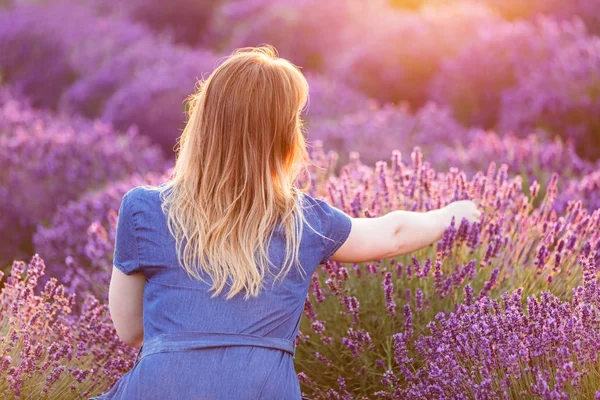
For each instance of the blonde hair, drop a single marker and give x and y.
(237, 165)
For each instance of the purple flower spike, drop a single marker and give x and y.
(388, 288)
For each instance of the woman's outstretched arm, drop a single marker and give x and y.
(401, 232)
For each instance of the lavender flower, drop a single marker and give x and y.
(388, 288)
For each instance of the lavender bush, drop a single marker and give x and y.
(402, 51)
(84, 260)
(48, 160)
(309, 32)
(586, 188)
(48, 47)
(19, 35)
(90, 93)
(386, 345)
(330, 98)
(534, 157)
(48, 352)
(160, 90)
(101, 66)
(545, 349)
(562, 95)
(184, 20)
(378, 129)
(474, 80)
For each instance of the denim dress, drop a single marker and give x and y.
(197, 347)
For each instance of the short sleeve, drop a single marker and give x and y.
(125, 256)
(335, 225)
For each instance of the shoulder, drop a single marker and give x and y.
(310, 202)
(312, 207)
(141, 206)
(141, 196)
(320, 208)
(335, 225)
(327, 215)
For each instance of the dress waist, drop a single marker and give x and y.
(185, 341)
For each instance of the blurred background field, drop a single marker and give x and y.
(413, 104)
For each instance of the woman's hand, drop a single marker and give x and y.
(462, 209)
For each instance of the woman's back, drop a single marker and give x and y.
(246, 346)
(233, 186)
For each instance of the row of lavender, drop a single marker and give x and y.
(56, 171)
(90, 58)
(503, 308)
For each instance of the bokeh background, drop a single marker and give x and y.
(488, 92)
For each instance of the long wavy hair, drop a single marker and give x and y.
(236, 172)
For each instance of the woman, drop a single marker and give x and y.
(232, 199)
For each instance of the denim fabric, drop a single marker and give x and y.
(196, 347)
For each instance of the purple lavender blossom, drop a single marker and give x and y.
(388, 288)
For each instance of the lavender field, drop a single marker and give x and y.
(413, 104)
